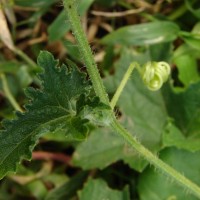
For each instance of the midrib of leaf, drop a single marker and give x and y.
(71, 112)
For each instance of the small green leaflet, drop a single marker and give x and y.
(55, 107)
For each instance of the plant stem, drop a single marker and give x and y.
(154, 160)
(70, 7)
(85, 50)
(9, 94)
(42, 155)
(122, 84)
(180, 11)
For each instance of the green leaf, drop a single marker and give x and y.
(161, 51)
(98, 189)
(154, 185)
(103, 148)
(72, 50)
(187, 68)
(185, 49)
(143, 34)
(108, 58)
(52, 108)
(172, 136)
(68, 189)
(59, 27)
(96, 112)
(192, 38)
(184, 107)
(100, 150)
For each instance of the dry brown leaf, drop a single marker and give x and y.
(5, 32)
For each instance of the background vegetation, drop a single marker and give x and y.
(167, 121)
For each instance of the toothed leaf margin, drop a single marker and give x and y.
(57, 105)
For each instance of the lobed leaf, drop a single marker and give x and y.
(54, 107)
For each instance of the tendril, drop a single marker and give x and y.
(154, 74)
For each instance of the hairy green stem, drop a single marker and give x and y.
(154, 160)
(122, 84)
(85, 49)
(8, 93)
(70, 7)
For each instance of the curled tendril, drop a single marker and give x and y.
(154, 74)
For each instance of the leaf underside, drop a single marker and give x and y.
(56, 106)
